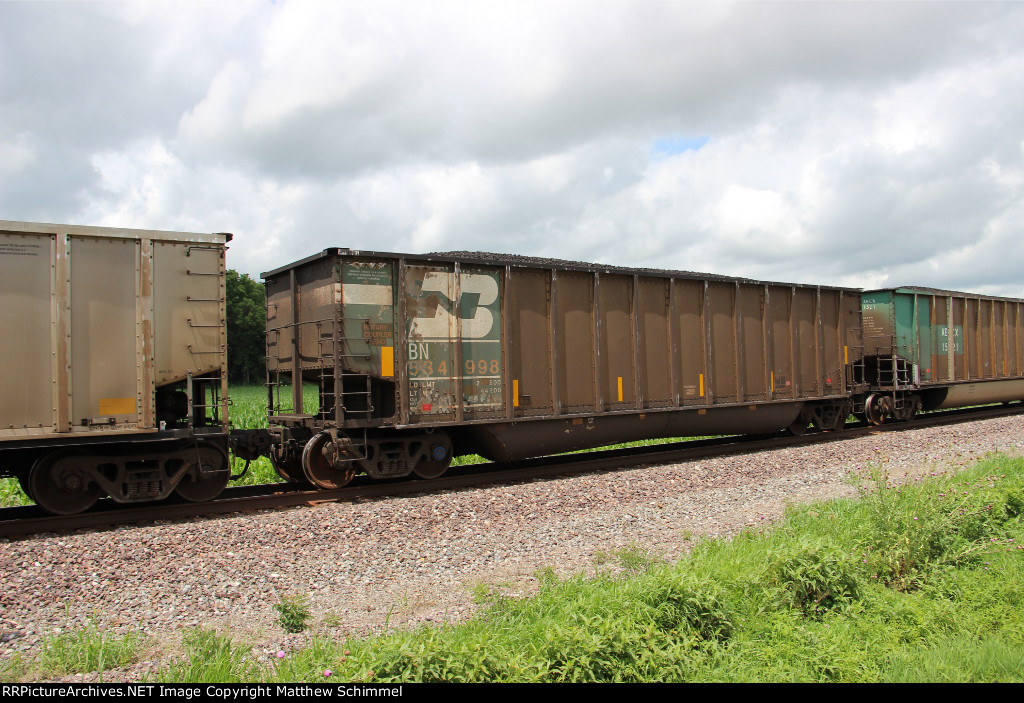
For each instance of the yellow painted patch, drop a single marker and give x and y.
(620, 389)
(846, 355)
(773, 381)
(387, 361)
(702, 385)
(515, 393)
(117, 406)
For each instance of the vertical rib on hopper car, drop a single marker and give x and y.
(117, 341)
(510, 357)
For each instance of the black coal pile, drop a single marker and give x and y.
(563, 264)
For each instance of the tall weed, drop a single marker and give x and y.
(88, 649)
(914, 529)
(683, 600)
(211, 657)
(813, 576)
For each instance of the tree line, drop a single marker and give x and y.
(247, 321)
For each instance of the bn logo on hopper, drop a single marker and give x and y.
(438, 290)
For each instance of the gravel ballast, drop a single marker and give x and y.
(419, 558)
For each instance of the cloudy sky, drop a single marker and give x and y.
(863, 144)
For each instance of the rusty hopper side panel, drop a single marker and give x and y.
(606, 355)
(516, 358)
(96, 319)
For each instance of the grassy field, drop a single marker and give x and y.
(916, 582)
(249, 411)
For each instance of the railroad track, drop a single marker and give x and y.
(29, 520)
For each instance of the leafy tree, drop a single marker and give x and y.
(246, 311)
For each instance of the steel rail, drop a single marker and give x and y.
(25, 521)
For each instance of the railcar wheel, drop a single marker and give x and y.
(60, 486)
(320, 462)
(439, 461)
(800, 424)
(290, 468)
(876, 408)
(212, 479)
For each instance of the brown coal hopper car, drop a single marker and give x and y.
(406, 361)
